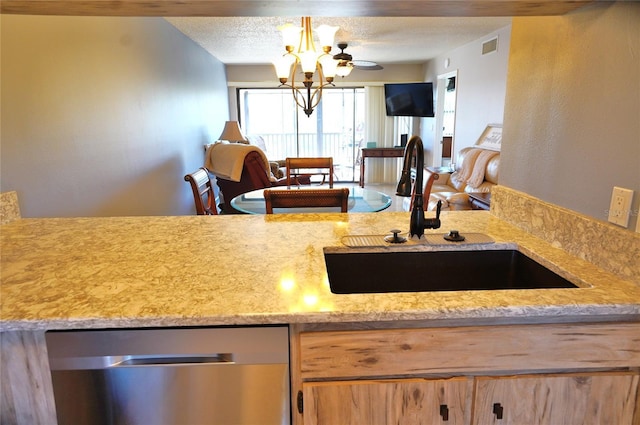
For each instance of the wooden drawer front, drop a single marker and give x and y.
(391, 154)
(408, 401)
(375, 353)
(384, 153)
(572, 399)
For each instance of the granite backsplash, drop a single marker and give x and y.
(606, 245)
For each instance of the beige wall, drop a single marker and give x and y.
(104, 116)
(481, 89)
(572, 113)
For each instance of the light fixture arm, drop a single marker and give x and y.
(308, 100)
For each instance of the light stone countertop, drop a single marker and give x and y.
(79, 273)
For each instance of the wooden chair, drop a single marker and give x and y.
(306, 198)
(203, 194)
(312, 165)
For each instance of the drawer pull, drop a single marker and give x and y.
(444, 412)
(497, 410)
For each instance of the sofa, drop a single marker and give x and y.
(477, 170)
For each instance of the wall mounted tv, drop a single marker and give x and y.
(409, 99)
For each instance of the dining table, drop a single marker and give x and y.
(360, 200)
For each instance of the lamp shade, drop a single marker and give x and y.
(283, 66)
(344, 69)
(326, 34)
(329, 66)
(308, 61)
(232, 132)
(290, 35)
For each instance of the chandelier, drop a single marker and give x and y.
(301, 51)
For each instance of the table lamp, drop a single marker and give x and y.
(233, 133)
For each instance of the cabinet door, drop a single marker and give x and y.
(580, 399)
(402, 401)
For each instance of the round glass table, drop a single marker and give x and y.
(360, 200)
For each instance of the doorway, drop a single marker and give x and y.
(446, 118)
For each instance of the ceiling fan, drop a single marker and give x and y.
(346, 62)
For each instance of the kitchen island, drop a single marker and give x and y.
(143, 272)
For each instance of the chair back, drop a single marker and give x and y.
(306, 198)
(310, 164)
(203, 194)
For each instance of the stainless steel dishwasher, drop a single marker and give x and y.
(235, 375)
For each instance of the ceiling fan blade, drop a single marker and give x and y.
(366, 65)
(346, 58)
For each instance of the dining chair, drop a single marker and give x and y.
(306, 198)
(203, 193)
(296, 167)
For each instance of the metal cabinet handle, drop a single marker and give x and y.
(498, 410)
(173, 360)
(444, 412)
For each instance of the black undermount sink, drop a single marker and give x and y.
(352, 272)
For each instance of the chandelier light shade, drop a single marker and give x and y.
(300, 52)
(344, 69)
(232, 132)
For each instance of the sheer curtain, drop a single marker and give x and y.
(380, 128)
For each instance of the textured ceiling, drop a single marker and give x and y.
(385, 40)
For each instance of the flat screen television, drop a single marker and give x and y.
(409, 99)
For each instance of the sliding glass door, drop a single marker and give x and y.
(335, 128)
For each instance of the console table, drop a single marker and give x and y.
(378, 153)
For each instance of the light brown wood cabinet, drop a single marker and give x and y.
(401, 401)
(508, 374)
(582, 399)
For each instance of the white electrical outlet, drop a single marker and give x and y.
(620, 206)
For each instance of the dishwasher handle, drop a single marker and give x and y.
(164, 360)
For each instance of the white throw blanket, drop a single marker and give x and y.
(479, 168)
(226, 160)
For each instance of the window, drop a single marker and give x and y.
(336, 127)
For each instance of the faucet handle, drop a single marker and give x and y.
(434, 223)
